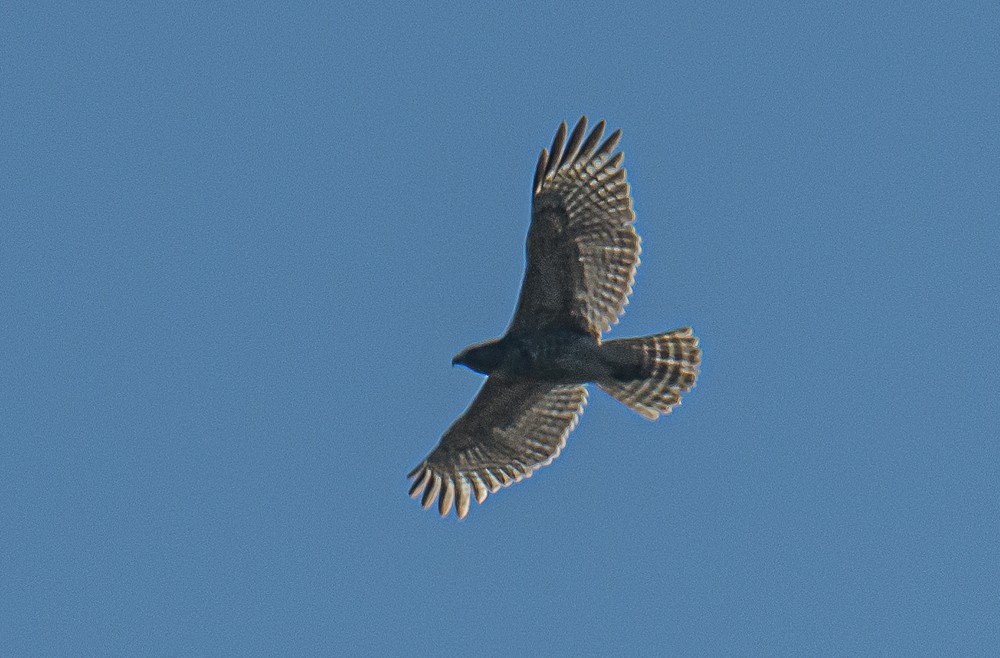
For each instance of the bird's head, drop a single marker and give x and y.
(481, 357)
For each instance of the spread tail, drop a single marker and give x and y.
(651, 372)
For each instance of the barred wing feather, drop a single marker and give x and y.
(582, 251)
(510, 430)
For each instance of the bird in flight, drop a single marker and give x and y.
(582, 252)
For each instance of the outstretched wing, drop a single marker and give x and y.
(582, 250)
(510, 430)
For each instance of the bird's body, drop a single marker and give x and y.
(555, 356)
(582, 252)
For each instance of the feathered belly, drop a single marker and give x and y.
(556, 358)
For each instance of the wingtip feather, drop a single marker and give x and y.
(575, 138)
(462, 497)
(609, 144)
(419, 483)
(592, 141)
(447, 496)
(556, 150)
(543, 159)
(431, 492)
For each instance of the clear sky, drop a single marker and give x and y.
(240, 243)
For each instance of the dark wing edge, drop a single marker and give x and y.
(510, 430)
(582, 243)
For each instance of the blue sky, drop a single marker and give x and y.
(239, 245)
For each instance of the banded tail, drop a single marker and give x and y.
(652, 371)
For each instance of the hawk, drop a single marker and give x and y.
(582, 253)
